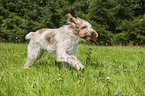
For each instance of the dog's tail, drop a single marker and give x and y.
(29, 35)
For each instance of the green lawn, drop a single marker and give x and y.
(109, 70)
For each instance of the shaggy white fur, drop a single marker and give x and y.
(60, 43)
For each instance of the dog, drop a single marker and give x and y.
(61, 42)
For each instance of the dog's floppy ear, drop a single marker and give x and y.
(71, 20)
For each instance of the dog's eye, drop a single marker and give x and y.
(84, 27)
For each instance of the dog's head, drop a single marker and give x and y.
(83, 29)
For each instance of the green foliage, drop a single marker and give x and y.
(123, 65)
(133, 30)
(109, 18)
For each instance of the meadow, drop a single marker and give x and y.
(109, 70)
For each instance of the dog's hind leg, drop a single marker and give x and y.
(34, 53)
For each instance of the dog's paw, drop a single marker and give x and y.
(77, 67)
(82, 68)
(26, 67)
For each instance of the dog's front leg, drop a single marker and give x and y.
(75, 62)
(71, 59)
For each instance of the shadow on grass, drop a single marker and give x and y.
(50, 63)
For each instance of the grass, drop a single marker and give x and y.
(109, 70)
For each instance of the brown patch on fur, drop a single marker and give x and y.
(50, 38)
(42, 30)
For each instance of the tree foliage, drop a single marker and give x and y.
(116, 21)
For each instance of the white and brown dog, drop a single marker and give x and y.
(60, 43)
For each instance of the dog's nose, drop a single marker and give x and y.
(94, 34)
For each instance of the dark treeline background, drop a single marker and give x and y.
(116, 21)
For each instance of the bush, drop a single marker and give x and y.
(116, 22)
(133, 30)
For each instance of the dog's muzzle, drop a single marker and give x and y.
(88, 36)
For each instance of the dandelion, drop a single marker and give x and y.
(78, 80)
(58, 74)
(108, 57)
(108, 77)
(116, 94)
(59, 78)
(99, 78)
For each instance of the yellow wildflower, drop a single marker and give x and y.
(108, 57)
(59, 78)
